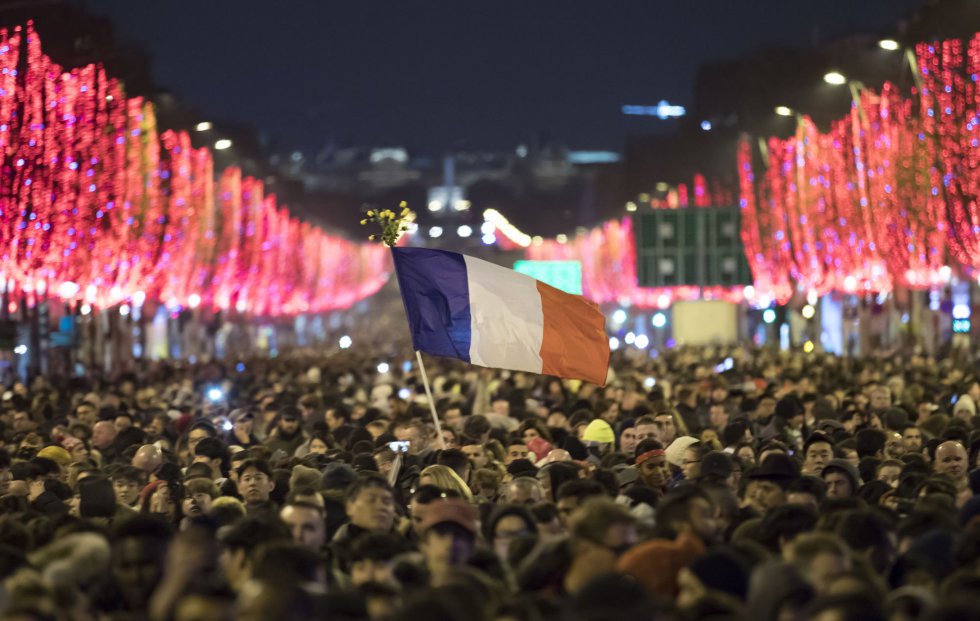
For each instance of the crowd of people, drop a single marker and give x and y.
(697, 484)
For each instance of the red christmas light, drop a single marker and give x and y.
(95, 206)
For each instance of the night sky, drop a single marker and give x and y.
(437, 74)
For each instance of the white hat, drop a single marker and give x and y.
(675, 452)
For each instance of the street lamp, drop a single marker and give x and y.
(784, 111)
(203, 126)
(888, 44)
(222, 144)
(835, 78)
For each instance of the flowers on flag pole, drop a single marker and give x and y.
(393, 224)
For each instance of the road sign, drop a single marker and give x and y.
(697, 246)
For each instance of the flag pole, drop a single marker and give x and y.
(432, 404)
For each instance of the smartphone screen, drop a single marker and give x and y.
(399, 447)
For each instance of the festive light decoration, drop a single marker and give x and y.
(888, 197)
(98, 208)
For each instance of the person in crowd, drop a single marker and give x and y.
(288, 434)
(841, 478)
(448, 537)
(306, 523)
(768, 484)
(256, 482)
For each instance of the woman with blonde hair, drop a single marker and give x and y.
(446, 479)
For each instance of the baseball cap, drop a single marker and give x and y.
(241, 414)
(449, 511)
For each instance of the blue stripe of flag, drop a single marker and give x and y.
(435, 292)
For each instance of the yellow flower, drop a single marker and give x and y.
(403, 204)
(363, 222)
(372, 237)
(370, 213)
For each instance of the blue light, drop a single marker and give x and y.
(961, 326)
(662, 110)
(240, 367)
(706, 126)
(593, 157)
(769, 316)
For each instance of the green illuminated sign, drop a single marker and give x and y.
(564, 275)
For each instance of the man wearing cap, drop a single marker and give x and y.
(288, 434)
(242, 422)
(448, 536)
(599, 437)
(768, 483)
(842, 478)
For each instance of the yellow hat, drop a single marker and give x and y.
(599, 431)
(56, 454)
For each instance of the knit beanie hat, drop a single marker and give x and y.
(599, 431)
(842, 465)
(337, 476)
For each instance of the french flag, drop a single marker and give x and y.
(466, 308)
